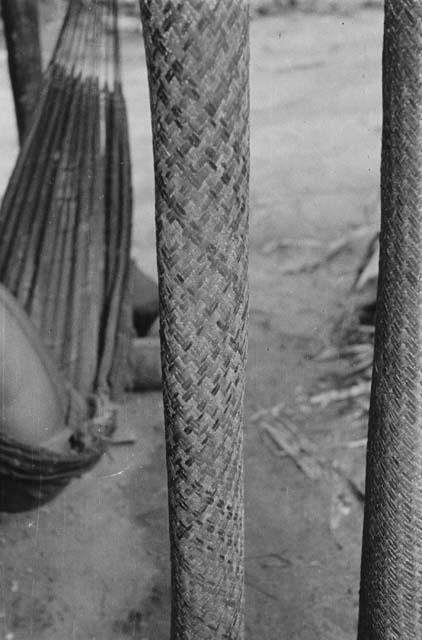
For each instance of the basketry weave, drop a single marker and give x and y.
(391, 572)
(197, 57)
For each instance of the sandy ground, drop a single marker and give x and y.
(94, 563)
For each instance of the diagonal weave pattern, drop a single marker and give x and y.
(197, 56)
(391, 572)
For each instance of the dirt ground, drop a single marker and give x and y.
(94, 563)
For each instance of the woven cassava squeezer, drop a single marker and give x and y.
(197, 57)
(391, 573)
(69, 196)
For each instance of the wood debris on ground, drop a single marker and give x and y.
(351, 351)
(336, 395)
(285, 438)
(342, 391)
(329, 252)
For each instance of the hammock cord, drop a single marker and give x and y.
(65, 220)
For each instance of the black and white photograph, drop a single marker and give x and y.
(210, 320)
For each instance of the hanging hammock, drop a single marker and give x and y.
(65, 231)
(65, 218)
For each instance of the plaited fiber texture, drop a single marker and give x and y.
(197, 56)
(391, 573)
